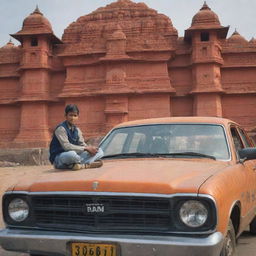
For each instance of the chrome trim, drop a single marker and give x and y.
(110, 194)
(92, 193)
(58, 243)
(228, 144)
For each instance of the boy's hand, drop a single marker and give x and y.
(91, 150)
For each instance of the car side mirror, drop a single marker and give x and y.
(247, 153)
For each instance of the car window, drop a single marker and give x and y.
(168, 139)
(137, 142)
(236, 139)
(116, 144)
(246, 140)
(253, 139)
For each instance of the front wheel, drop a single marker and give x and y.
(229, 245)
(253, 226)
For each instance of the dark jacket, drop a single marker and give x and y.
(55, 146)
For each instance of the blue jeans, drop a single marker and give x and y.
(66, 160)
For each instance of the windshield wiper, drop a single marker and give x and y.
(135, 154)
(139, 154)
(191, 154)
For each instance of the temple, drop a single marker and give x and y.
(122, 62)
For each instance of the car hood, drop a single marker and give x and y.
(128, 175)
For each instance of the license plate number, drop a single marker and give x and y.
(88, 249)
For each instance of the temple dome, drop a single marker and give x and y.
(36, 23)
(10, 53)
(205, 18)
(9, 47)
(253, 41)
(236, 38)
(138, 23)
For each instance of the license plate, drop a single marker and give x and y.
(92, 249)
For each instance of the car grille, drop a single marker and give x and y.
(120, 213)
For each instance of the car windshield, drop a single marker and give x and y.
(167, 140)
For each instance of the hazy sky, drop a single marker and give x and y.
(239, 14)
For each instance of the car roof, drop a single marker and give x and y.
(183, 119)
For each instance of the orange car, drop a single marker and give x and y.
(168, 186)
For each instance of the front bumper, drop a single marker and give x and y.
(56, 243)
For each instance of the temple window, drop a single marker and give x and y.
(34, 42)
(204, 51)
(32, 57)
(205, 36)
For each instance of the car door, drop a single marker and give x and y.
(248, 196)
(251, 164)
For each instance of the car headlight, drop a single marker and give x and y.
(193, 213)
(18, 209)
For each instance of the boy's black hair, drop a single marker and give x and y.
(71, 108)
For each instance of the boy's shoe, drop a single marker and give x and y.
(78, 167)
(95, 164)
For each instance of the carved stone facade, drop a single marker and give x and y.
(122, 62)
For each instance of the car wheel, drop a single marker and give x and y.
(229, 245)
(253, 226)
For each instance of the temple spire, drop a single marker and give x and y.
(37, 11)
(253, 40)
(10, 43)
(205, 6)
(235, 32)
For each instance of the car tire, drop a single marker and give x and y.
(229, 245)
(253, 226)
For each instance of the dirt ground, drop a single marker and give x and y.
(11, 175)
